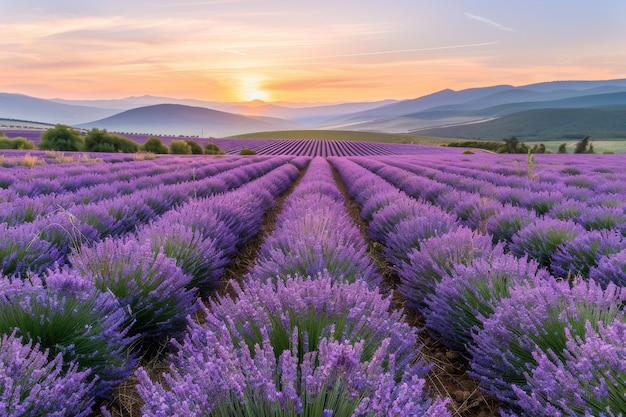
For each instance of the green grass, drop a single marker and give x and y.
(347, 135)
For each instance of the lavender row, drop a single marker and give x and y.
(134, 294)
(27, 208)
(326, 147)
(329, 339)
(36, 246)
(517, 324)
(567, 247)
(315, 233)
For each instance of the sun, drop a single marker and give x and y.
(250, 91)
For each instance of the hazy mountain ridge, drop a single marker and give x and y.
(445, 113)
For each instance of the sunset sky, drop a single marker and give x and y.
(291, 50)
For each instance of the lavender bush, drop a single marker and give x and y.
(196, 255)
(69, 317)
(610, 269)
(288, 362)
(591, 376)
(575, 257)
(436, 258)
(150, 286)
(462, 300)
(534, 319)
(322, 305)
(33, 384)
(504, 224)
(541, 238)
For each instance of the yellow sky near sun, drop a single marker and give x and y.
(239, 57)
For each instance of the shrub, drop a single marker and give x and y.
(462, 300)
(22, 251)
(467, 152)
(504, 224)
(155, 145)
(32, 384)
(180, 147)
(101, 141)
(70, 318)
(195, 148)
(196, 255)
(247, 151)
(290, 359)
(534, 319)
(62, 138)
(150, 286)
(436, 258)
(575, 257)
(541, 238)
(16, 143)
(610, 269)
(212, 149)
(591, 377)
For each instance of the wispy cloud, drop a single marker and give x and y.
(394, 51)
(489, 22)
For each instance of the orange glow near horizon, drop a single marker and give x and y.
(231, 50)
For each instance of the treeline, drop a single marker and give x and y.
(66, 138)
(514, 145)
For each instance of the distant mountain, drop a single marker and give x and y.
(176, 119)
(305, 115)
(603, 122)
(142, 101)
(21, 107)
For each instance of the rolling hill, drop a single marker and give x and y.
(177, 119)
(603, 122)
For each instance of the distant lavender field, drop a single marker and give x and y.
(516, 262)
(304, 147)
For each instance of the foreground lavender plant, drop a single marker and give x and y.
(610, 268)
(150, 286)
(216, 373)
(317, 306)
(196, 255)
(32, 384)
(541, 238)
(591, 376)
(70, 317)
(462, 300)
(534, 319)
(436, 257)
(576, 257)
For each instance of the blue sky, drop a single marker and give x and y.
(323, 51)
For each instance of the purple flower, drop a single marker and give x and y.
(33, 383)
(541, 238)
(610, 269)
(575, 257)
(436, 258)
(150, 286)
(591, 375)
(462, 300)
(535, 318)
(216, 370)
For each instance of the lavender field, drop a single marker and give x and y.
(282, 284)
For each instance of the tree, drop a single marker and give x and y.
(584, 146)
(98, 140)
(247, 151)
(562, 148)
(513, 145)
(62, 138)
(154, 145)
(180, 147)
(195, 148)
(213, 149)
(16, 143)
(541, 148)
